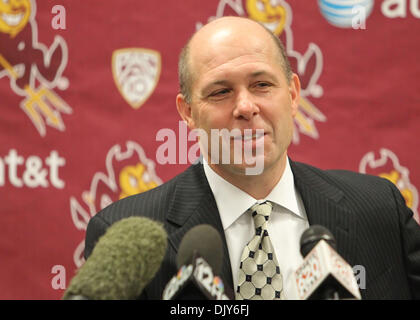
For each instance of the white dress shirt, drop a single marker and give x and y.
(287, 222)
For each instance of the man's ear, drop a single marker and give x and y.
(294, 89)
(184, 110)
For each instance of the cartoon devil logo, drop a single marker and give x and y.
(388, 166)
(128, 172)
(34, 70)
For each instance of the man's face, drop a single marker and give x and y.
(239, 83)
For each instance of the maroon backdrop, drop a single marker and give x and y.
(81, 109)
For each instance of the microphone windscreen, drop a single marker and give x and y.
(311, 236)
(123, 262)
(204, 240)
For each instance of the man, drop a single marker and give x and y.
(234, 75)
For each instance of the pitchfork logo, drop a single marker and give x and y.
(34, 70)
(388, 166)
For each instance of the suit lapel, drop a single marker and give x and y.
(194, 204)
(325, 205)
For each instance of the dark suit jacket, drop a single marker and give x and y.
(366, 214)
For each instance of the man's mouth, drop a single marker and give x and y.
(12, 19)
(248, 137)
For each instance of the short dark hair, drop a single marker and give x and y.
(185, 76)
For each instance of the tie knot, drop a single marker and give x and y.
(261, 213)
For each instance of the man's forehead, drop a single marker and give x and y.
(225, 29)
(230, 22)
(228, 43)
(243, 62)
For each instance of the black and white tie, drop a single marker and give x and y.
(259, 273)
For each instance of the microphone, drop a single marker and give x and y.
(324, 274)
(123, 262)
(199, 259)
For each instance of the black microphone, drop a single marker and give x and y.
(123, 262)
(199, 260)
(324, 274)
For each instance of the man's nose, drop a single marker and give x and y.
(245, 106)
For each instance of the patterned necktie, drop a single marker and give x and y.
(259, 274)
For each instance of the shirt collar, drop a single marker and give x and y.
(283, 194)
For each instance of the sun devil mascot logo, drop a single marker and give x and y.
(128, 172)
(388, 166)
(34, 69)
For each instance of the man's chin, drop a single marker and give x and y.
(244, 169)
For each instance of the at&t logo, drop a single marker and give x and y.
(353, 13)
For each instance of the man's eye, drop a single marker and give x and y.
(262, 84)
(219, 93)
